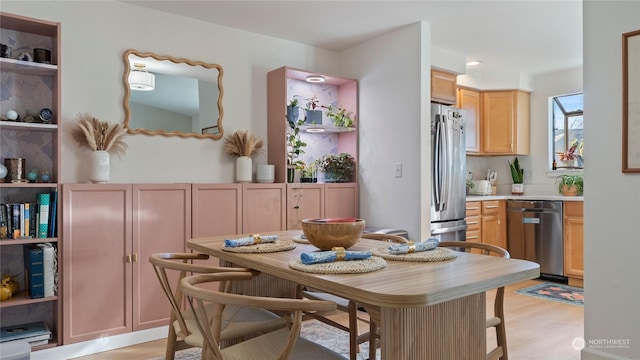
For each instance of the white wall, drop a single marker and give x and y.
(94, 36)
(612, 203)
(393, 73)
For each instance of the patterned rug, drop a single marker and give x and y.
(321, 333)
(555, 292)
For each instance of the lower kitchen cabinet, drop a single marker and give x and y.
(324, 200)
(494, 223)
(263, 207)
(217, 209)
(109, 231)
(574, 241)
(474, 223)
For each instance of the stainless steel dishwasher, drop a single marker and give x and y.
(534, 232)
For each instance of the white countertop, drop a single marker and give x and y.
(524, 197)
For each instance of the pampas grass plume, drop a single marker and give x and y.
(241, 143)
(96, 134)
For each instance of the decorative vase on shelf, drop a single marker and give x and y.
(517, 189)
(100, 167)
(291, 173)
(243, 169)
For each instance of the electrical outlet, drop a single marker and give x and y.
(398, 170)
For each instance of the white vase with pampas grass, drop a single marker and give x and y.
(242, 145)
(102, 138)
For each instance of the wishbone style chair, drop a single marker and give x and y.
(183, 330)
(350, 307)
(497, 320)
(282, 344)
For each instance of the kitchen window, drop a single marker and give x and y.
(567, 131)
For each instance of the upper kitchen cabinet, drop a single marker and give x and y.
(505, 122)
(318, 128)
(443, 87)
(469, 100)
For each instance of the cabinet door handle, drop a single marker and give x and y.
(135, 257)
(472, 222)
(472, 237)
(472, 208)
(128, 258)
(491, 206)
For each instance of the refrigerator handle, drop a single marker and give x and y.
(445, 163)
(438, 165)
(448, 230)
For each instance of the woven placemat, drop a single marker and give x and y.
(300, 240)
(340, 267)
(437, 254)
(278, 245)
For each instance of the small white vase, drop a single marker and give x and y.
(100, 167)
(243, 169)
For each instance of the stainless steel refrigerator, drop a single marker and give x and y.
(448, 173)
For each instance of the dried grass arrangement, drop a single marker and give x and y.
(241, 143)
(96, 134)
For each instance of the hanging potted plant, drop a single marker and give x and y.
(242, 146)
(571, 185)
(102, 138)
(517, 175)
(337, 168)
(295, 146)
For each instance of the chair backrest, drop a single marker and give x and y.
(384, 237)
(168, 265)
(200, 300)
(487, 249)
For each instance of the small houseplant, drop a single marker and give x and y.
(339, 116)
(337, 167)
(295, 145)
(309, 173)
(517, 175)
(571, 184)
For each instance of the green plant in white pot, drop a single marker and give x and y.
(337, 167)
(517, 175)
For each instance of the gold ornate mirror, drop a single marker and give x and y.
(171, 96)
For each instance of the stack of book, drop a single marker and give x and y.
(36, 333)
(30, 220)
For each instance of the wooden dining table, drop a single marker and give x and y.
(427, 310)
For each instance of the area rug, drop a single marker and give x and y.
(555, 292)
(323, 334)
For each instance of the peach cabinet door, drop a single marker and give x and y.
(304, 201)
(263, 207)
(341, 200)
(161, 223)
(217, 209)
(96, 284)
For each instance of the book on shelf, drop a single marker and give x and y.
(34, 270)
(50, 268)
(30, 220)
(3, 222)
(43, 211)
(53, 208)
(36, 333)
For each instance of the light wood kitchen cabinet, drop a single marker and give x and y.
(443, 87)
(109, 232)
(574, 240)
(469, 101)
(494, 223)
(474, 222)
(505, 122)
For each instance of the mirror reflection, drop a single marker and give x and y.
(172, 96)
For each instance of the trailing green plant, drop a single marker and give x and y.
(339, 116)
(295, 144)
(337, 167)
(517, 173)
(569, 180)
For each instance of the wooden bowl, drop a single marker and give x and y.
(328, 234)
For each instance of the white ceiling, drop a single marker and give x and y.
(530, 37)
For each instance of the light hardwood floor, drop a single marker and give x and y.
(536, 329)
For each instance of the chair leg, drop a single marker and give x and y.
(354, 348)
(501, 334)
(171, 343)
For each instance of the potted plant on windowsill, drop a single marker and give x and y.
(337, 167)
(571, 184)
(517, 175)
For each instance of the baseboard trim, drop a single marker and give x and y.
(99, 345)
